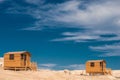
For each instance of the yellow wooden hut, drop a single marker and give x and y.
(97, 67)
(19, 61)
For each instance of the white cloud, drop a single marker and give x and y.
(36, 2)
(97, 18)
(108, 50)
(32, 28)
(117, 22)
(95, 14)
(75, 66)
(1, 1)
(47, 66)
(76, 38)
(56, 66)
(88, 35)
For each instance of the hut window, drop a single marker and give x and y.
(11, 57)
(22, 56)
(101, 64)
(92, 64)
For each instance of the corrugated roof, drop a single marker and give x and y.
(96, 61)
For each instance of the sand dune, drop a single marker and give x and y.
(55, 75)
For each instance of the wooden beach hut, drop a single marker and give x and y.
(19, 61)
(97, 67)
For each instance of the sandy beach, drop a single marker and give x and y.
(55, 75)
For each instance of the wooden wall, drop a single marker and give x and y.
(96, 69)
(12, 63)
(17, 62)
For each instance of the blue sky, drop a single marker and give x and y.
(62, 34)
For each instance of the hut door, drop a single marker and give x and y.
(101, 65)
(23, 57)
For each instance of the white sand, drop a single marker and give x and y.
(55, 75)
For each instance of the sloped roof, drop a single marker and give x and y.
(18, 52)
(96, 61)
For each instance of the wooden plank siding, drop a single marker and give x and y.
(12, 63)
(18, 60)
(96, 68)
(99, 67)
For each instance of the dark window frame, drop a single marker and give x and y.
(92, 64)
(101, 64)
(11, 57)
(23, 56)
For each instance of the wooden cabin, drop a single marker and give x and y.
(97, 67)
(18, 61)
